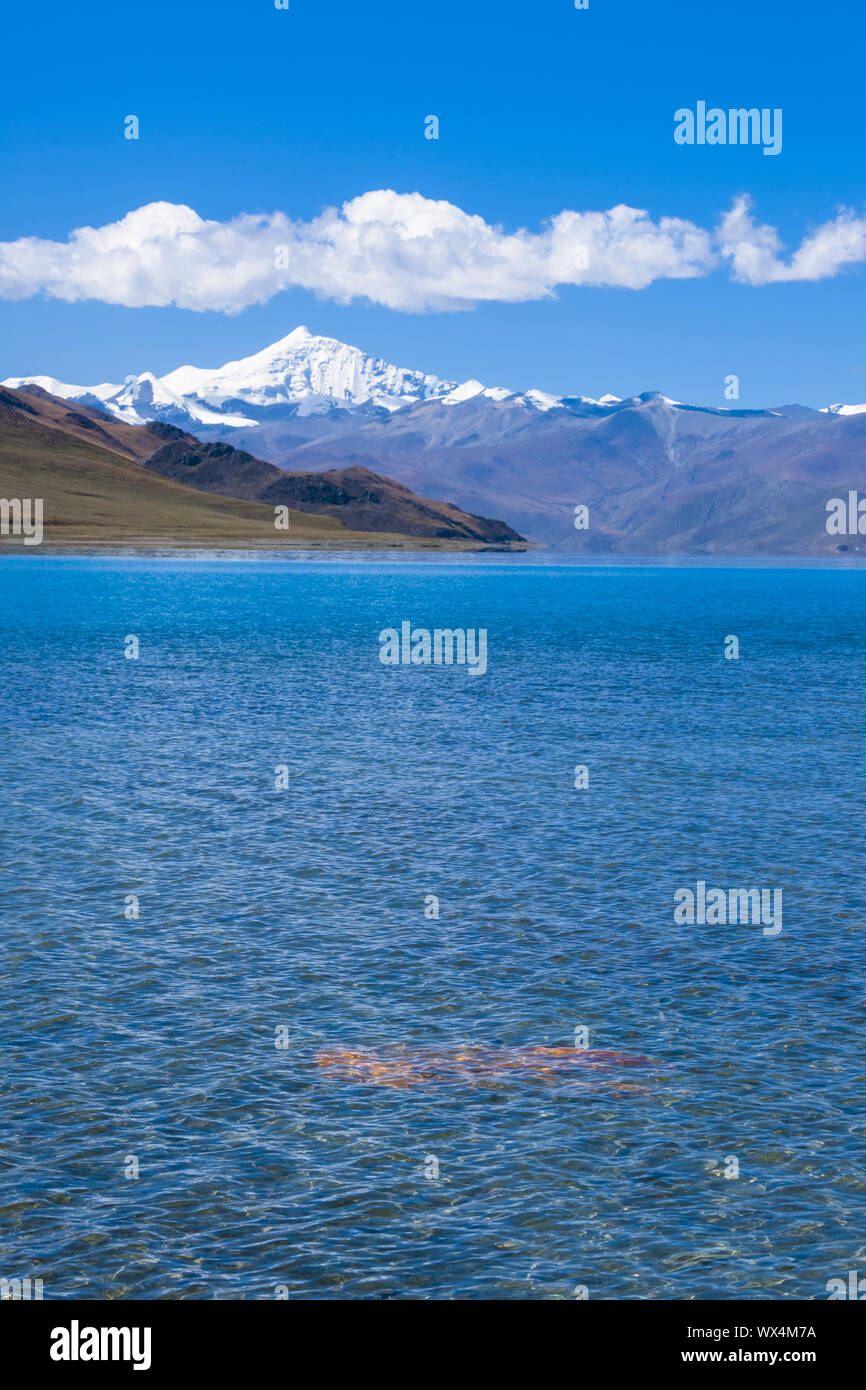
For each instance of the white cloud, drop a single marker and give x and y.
(404, 251)
(753, 250)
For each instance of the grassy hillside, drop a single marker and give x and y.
(93, 496)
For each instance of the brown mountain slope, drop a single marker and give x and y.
(356, 496)
(133, 441)
(92, 495)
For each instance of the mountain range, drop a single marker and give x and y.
(657, 475)
(299, 376)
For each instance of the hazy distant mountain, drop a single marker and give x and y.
(658, 476)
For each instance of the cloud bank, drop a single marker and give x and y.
(406, 252)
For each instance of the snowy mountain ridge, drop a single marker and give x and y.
(305, 375)
(300, 374)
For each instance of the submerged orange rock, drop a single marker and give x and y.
(404, 1066)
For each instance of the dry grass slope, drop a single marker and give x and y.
(93, 496)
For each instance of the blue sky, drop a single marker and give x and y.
(542, 108)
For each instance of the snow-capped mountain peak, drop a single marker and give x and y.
(465, 392)
(301, 374)
(843, 409)
(312, 373)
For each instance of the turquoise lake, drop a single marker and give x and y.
(186, 930)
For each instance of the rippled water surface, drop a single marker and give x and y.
(281, 928)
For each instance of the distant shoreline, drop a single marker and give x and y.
(462, 552)
(385, 542)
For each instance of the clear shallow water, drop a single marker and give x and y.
(304, 909)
